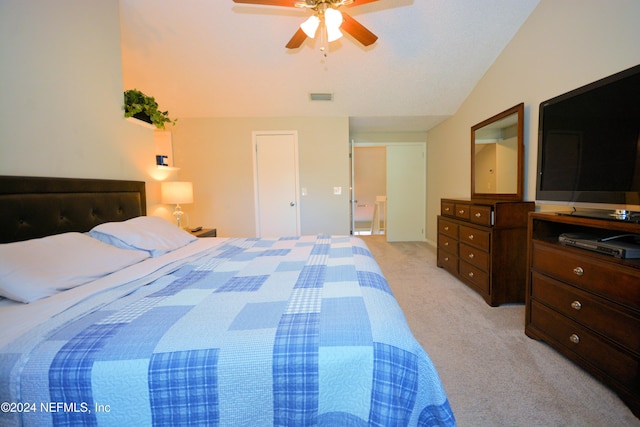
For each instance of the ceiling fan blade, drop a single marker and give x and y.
(359, 2)
(296, 41)
(285, 3)
(357, 30)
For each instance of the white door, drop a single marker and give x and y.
(276, 183)
(406, 192)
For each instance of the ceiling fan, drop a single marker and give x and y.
(326, 17)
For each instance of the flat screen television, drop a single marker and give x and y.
(589, 148)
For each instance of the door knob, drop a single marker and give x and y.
(292, 204)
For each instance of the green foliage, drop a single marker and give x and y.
(137, 102)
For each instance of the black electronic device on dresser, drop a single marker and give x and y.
(588, 148)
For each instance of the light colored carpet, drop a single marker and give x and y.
(493, 373)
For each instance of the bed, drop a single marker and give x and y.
(175, 330)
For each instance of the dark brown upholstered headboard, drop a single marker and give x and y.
(33, 207)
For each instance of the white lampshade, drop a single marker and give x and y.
(177, 192)
(333, 34)
(333, 21)
(310, 26)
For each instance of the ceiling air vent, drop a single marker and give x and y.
(321, 96)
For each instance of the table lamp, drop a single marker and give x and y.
(178, 192)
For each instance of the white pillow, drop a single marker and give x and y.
(146, 233)
(39, 268)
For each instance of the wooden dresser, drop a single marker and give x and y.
(483, 243)
(585, 304)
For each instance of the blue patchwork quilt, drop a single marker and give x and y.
(256, 332)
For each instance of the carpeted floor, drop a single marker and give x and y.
(493, 373)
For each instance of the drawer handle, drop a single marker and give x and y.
(472, 256)
(461, 211)
(446, 243)
(574, 338)
(478, 215)
(576, 305)
(470, 236)
(471, 274)
(447, 209)
(578, 271)
(446, 258)
(446, 228)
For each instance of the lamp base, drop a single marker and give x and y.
(177, 212)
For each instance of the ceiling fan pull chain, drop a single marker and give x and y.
(324, 44)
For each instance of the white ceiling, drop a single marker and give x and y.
(216, 58)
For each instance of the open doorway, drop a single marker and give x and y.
(369, 188)
(388, 183)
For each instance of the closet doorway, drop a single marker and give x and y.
(388, 182)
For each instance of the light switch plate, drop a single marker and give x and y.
(337, 191)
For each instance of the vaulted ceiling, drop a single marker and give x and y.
(216, 58)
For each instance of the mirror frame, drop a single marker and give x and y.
(518, 195)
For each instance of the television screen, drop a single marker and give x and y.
(589, 145)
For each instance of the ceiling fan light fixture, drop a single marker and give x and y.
(333, 34)
(327, 19)
(310, 26)
(333, 20)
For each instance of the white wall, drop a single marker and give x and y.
(563, 45)
(61, 94)
(215, 154)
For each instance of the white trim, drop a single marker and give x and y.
(352, 193)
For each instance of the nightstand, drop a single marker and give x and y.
(205, 232)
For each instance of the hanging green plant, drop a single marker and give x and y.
(143, 107)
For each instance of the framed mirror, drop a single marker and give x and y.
(497, 156)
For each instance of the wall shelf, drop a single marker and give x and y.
(140, 123)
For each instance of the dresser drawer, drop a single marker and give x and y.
(447, 208)
(448, 261)
(447, 227)
(462, 210)
(584, 343)
(474, 237)
(587, 272)
(588, 310)
(474, 256)
(474, 275)
(448, 243)
(482, 215)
